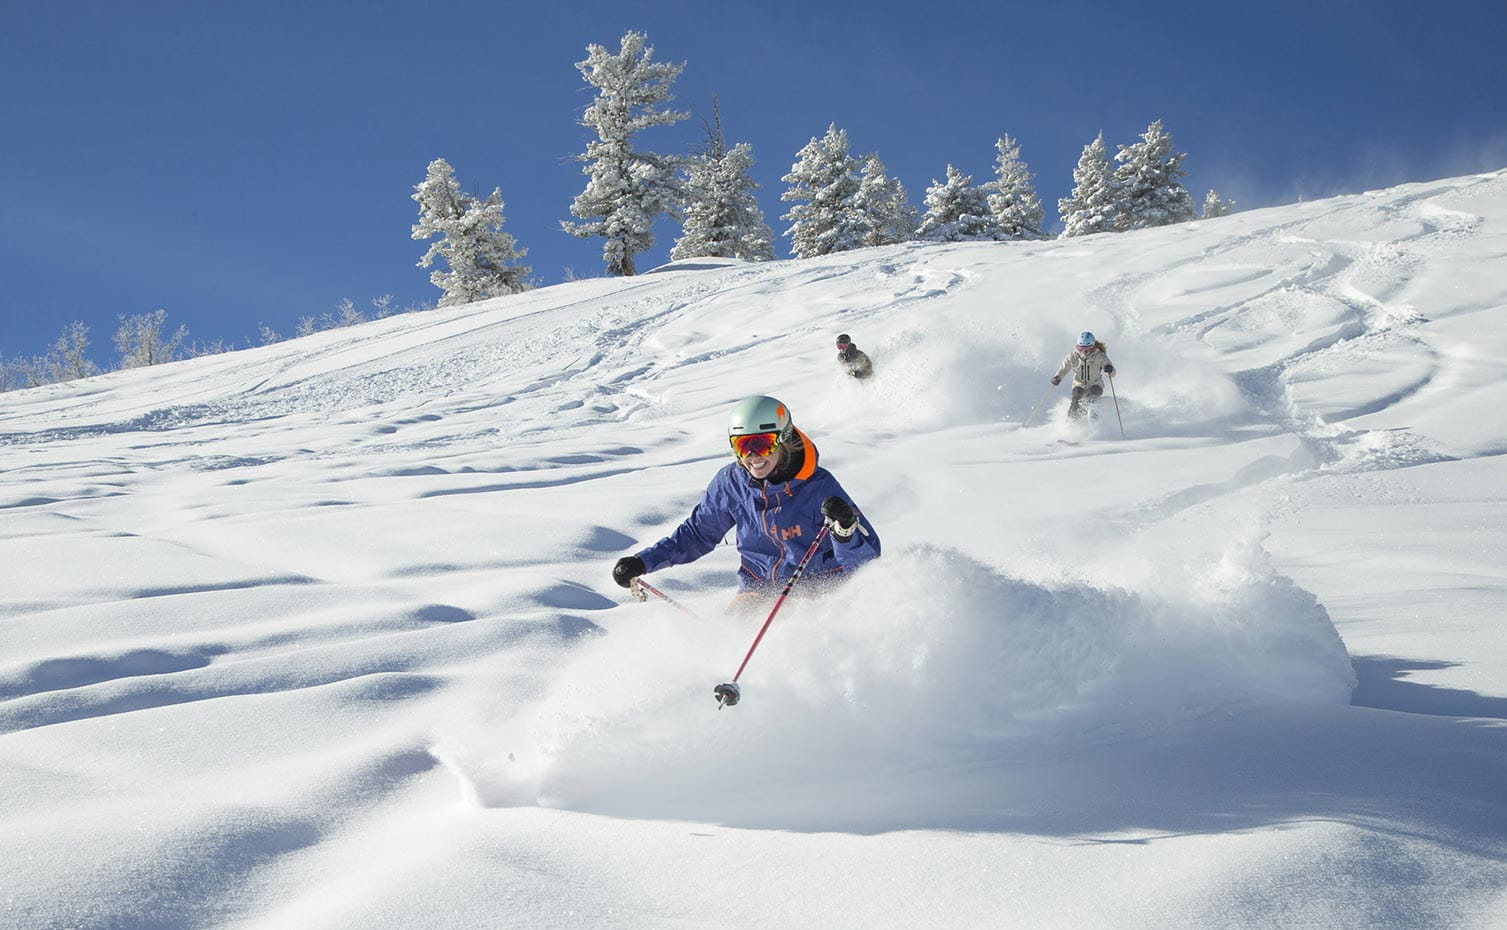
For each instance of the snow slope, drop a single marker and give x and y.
(323, 635)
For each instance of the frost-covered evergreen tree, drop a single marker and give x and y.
(1092, 206)
(1150, 192)
(64, 361)
(140, 340)
(956, 211)
(722, 217)
(1012, 198)
(67, 359)
(481, 258)
(824, 182)
(881, 206)
(1214, 205)
(20, 373)
(627, 189)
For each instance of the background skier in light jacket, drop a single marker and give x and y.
(1088, 361)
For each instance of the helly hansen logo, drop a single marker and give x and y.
(790, 533)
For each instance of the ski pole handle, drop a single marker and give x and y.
(640, 589)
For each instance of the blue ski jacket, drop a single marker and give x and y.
(776, 523)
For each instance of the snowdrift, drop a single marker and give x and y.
(930, 662)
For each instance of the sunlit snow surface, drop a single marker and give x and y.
(323, 634)
(937, 663)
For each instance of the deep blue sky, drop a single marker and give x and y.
(245, 163)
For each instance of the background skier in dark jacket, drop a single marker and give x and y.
(852, 359)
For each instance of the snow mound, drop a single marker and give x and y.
(933, 662)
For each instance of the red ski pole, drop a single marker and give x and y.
(638, 586)
(728, 692)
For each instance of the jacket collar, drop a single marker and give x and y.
(808, 449)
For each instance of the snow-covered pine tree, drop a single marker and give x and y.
(722, 217)
(65, 361)
(140, 341)
(1214, 205)
(67, 358)
(826, 178)
(627, 189)
(1092, 206)
(956, 211)
(1147, 178)
(1012, 198)
(482, 259)
(882, 206)
(20, 373)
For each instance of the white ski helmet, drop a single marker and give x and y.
(760, 413)
(1085, 338)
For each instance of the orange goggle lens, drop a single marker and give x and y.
(760, 444)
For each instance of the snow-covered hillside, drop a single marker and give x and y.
(323, 634)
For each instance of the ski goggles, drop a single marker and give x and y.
(1085, 349)
(756, 444)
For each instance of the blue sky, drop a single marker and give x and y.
(238, 164)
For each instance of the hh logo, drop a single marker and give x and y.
(791, 532)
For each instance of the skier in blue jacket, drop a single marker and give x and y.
(778, 497)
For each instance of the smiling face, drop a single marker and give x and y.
(762, 466)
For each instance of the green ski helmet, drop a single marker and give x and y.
(760, 413)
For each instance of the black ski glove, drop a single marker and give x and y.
(1056, 379)
(839, 516)
(627, 568)
(1109, 370)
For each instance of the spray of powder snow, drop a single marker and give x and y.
(937, 666)
(973, 371)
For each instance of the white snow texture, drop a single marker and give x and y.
(323, 634)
